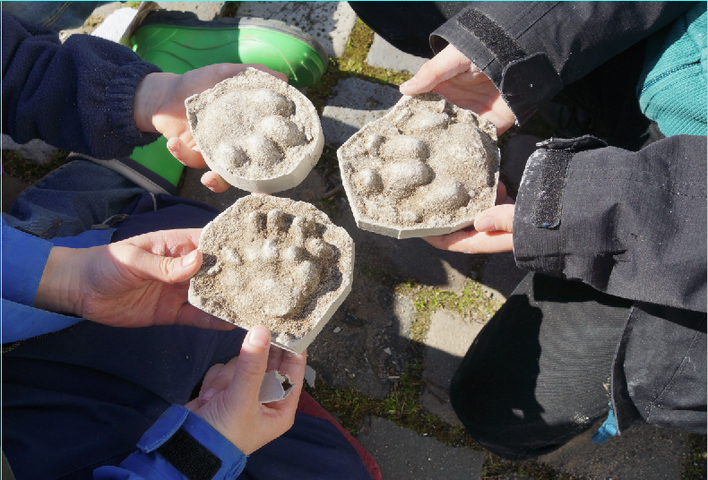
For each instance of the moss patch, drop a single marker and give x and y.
(14, 165)
(695, 462)
(352, 64)
(495, 467)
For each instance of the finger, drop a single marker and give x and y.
(473, 242)
(250, 368)
(275, 358)
(214, 182)
(445, 65)
(292, 365)
(501, 193)
(149, 266)
(182, 152)
(499, 218)
(218, 381)
(211, 374)
(207, 390)
(168, 243)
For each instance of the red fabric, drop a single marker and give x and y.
(309, 406)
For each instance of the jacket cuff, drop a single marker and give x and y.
(525, 80)
(182, 443)
(120, 103)
(25, 256)
(539, 204)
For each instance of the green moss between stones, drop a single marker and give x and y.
(14, 165)
(695, 462)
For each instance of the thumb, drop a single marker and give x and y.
(496, 219)
(165, 269)
(251, 366)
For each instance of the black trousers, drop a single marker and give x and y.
(538, 373)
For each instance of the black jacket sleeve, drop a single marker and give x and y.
(77, 96)
(531, 50)
(632, 224)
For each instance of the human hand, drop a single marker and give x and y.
(453, 75)
(137, 282)
(159, 107)
(228, 399)
(490, 233)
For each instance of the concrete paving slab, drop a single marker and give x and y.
(384, 55)
(641, 453)
(353, 104)
(203, 10)
(448, 339)
(329, 22)
(403, 454)
(365, 341)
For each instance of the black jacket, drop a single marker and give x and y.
(631, 224)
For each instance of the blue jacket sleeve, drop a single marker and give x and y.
(23, 260)
(77, 96)
(180, 445)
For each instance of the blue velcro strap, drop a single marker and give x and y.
(162, 430)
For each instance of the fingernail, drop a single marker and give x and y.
(189, 259)
(484, 224)
(259, 337)
(206, 396)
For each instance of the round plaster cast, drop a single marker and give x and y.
(274, 262)
(425, 168)
(259, 133)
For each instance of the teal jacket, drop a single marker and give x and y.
(672, 89)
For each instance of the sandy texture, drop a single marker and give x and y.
(426, 168)
(253, 128)
(275, 262)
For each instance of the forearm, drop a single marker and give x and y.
(52, 91)
(59, 287)
(632, 224)
(531, 50)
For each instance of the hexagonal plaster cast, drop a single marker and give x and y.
(425, 168)
(259, 133)
(275, 262)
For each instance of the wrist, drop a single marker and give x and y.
(149, 97)
(58, 288)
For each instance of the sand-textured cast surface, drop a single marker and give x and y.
(274, 262)
(257, 132)
(426, 168)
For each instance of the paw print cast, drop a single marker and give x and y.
(274, 262)
(259, 133)
(426, 168)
